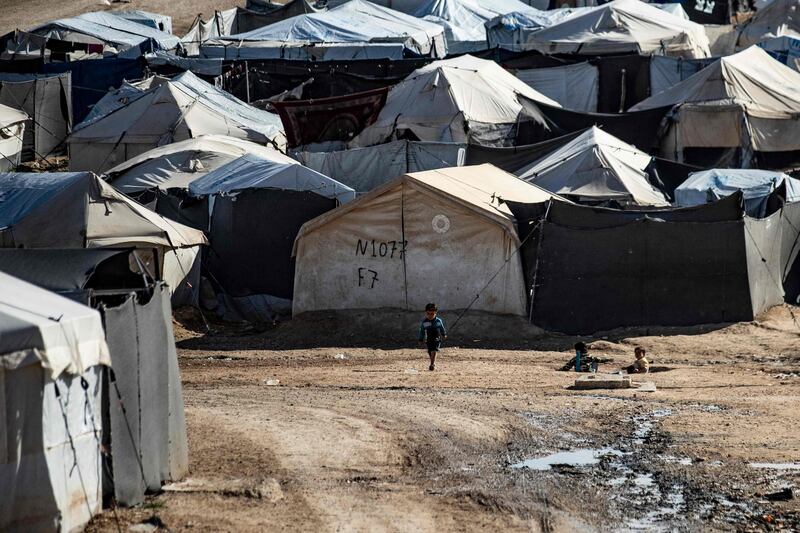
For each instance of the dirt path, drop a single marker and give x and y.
(365, 439)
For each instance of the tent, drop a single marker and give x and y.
(12, 131)
(356, 29)
(51, 351)
(785, 49)
(747, 100)
(176, 165)
(675, 9)
(776, 19)
(158, 111)
(464, 99)
(95, 33)
(392, 247)
(574, 87)
(620, 27)
(596, 269)
(756, 185)
(463, 20)
(47, 100)
(596, 167)
(255, 209)
(509, 30)
(152, 20)
(78, 210)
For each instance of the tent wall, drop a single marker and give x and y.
(364, 169)
(48, 101)
(11, 147)
(404, 248)
(251, 253)
(142, 346)
(790, 252)
(46, 485)
(668, 71)
(575, 86)
(763, 240)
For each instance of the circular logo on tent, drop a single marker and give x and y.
(440, 223)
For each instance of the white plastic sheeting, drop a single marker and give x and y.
(356, 22)
(756, 185)
(176, 165)
(61, 335)
(252, 172)
(220, 25)
(511, 30)
(745, 100)
(619, 27)
(158, 111)
(390, 247)
(12, 130)
(463, 20)
(151, 20)
(464, 99)
(575, 87)
(596, 167)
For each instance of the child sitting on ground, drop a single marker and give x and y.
(432, 332)
(641, 365)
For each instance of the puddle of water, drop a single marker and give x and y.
(685, 461)
(776, 466)
(584, 457)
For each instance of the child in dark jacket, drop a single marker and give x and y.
(432, 332)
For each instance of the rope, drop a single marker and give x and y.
(511, 256)
(75, 465)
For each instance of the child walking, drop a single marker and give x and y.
(432, 332)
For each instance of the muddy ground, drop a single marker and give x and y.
(333, 423)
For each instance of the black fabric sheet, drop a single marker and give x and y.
(624, 81)
(176, 205)
(639, 128)
(708, 11)
(644, 273)
(252, 235)
(514, 158)
(666, 175)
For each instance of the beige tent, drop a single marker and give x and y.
(746, 100)
(440, 235)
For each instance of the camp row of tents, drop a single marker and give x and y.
(588, 168)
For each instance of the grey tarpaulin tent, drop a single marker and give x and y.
(47, 99)
(78, 210)
(50, 414)
(593, 269)
(138, 331)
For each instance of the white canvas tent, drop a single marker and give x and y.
(746, 100)
(439, 235)
(464, 99)
(176, 165)
(103, 32)
(79, 210)
(158, 111)
(596, 167)
(510, 30)
(620, 27)
(776, 19)
(356, 29)
(50, 426)
(711, 185)
(464, 20)
(12, 130)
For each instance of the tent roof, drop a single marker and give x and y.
(596, 165)
(178, 164)
(356, 21)
(253, 172)
(478, 188)
(751, 78)
(106, 26)
(463, 88)
(465, 19)
(726, 181)
(9, 116)
(145, 17)
(87, 206)
(64, 335)
(623, 26)
(152, 110)
(777, 18)
(59, 270)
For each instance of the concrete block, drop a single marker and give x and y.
(603, 381)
